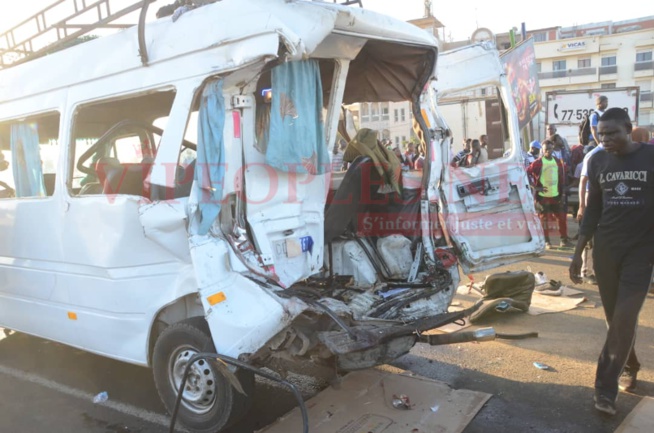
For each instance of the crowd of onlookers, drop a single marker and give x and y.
(474, 152)
(410, 155)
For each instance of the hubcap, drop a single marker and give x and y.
(200, 389)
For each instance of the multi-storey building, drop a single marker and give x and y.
(584, 57)
(596, 56)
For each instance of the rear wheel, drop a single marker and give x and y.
(209, 402)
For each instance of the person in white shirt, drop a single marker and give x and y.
(587, 271)
(534, 152)
(601, 103)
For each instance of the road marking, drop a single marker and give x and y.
(124, 408)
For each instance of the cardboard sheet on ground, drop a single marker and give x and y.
(641, 419)
(363, 404)
(541, 304)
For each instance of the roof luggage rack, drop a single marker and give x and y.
(60, 25)
(351, 2)
(41, 34)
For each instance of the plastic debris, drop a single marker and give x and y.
(542, 366)
(401, 402)
(101, 398)
(434, 408)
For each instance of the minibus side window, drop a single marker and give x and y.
(29, 151)
(185, 170)
(115, 144)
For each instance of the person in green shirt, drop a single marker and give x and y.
(547, 175)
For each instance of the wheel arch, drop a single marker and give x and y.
(182, 308)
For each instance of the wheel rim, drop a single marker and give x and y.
(199, 393)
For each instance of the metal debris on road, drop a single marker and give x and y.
(401, 402)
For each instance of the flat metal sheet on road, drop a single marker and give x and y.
(641, 419)
(365, 402)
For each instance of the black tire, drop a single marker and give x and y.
(214, 404)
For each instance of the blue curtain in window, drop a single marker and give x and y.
(297, 139)
(26, 160)
(210, 164)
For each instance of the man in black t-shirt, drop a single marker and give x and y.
(620, 214)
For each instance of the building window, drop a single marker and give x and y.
(540, 37)
(608, 61)
(375, 112)
(595, 32)
(538, 67)
(645, 87)
(608, 85)
(403, 117)
(403, 139)
(365, 112)
(384, 112)
(396, 116)
(397, 139)
(583, 63)
(644, 56)
(558, 65)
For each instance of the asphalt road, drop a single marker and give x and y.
(47, 387)
(526, 399)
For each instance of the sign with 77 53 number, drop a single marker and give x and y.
(572, 106)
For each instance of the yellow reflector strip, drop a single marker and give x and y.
(425, 117)
(217, 298)
(72, 316)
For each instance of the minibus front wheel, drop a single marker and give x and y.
(209, 402)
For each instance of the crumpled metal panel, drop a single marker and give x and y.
(247, 315)
(164, 223)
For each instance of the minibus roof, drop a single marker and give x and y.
(246, 30)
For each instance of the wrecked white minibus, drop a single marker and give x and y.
(180, 202)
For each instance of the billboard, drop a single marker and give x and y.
(570, 107)
(522, 73)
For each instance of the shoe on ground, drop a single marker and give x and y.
(604, 404)
(628, 380)
(590, 279)
(565, 243)
(548, 246)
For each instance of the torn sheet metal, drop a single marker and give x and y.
(244, 315)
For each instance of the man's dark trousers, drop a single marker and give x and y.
(623, 278)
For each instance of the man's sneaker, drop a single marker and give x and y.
(590, 279)
(565, 243)
(548, 246)
(627, 381)
(604, 404)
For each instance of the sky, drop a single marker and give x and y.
(460, 17)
